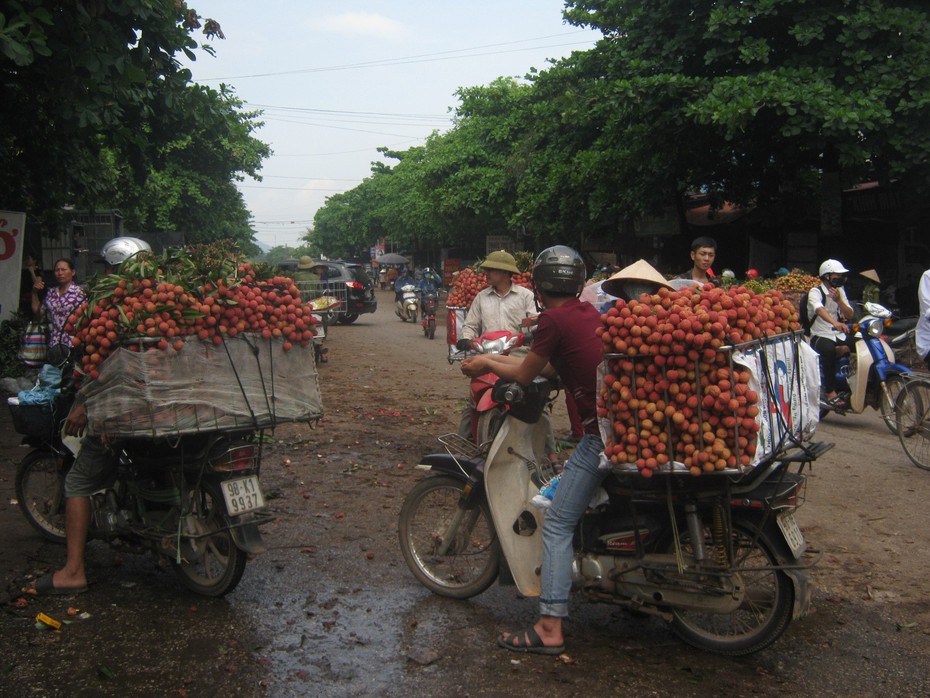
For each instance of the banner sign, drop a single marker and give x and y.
(12, 229)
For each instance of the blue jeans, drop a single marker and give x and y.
(580, 480)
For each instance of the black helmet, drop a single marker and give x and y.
(559, 270)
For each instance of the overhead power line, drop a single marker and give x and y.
(418, 58)
(343, 112)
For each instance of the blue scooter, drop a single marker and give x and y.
(868, 375)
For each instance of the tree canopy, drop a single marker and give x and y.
(748, 101)
(98, 113)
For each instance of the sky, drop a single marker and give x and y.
(337, 80)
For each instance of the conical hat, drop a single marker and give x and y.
(638, 271)
(871, 275)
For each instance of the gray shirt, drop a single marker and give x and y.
(490, 312)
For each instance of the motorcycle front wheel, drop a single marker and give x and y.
(768, 599)
(489, 423)
(210, 563)
(40, 489)
(451, 551)
(431, 328)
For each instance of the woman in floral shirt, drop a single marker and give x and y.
(59, 302)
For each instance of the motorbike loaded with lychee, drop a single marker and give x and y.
(194, 500)
(720, 557)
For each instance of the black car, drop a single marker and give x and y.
(349, 282)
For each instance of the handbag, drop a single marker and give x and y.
(35, 344)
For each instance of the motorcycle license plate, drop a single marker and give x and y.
(792, 533)
(243, 495)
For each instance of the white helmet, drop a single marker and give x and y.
(832, 266)
(118, 250)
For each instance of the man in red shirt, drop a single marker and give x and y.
(566, 344)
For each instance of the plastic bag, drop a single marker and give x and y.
(45, 390)
(34, 346)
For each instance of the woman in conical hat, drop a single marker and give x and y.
(640, 277)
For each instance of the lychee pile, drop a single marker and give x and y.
(670, 389)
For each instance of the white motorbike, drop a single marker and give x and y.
(407, 307)
(721, 559)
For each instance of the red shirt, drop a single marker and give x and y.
(565, 336)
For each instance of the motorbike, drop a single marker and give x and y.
(488, 413)
(869, 374)
(408, 306)
(195, 501)
(323, 309)
(430, 302)
(719, 557)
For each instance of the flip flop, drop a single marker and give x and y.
(530, 643)
(44, 586)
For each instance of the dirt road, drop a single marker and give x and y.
(331, 609)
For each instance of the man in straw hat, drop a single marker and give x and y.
(632, 281)
(307, 278)
(502, 306)
(871, 292)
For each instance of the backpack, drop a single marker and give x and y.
(806, 319)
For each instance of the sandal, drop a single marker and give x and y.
(528, 641)
(838, 403)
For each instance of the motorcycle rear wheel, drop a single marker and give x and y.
(40, 489)
(431, 328)
(912, 414)
(431, 516)
(211, 564)
(766, 609)
(887, 407)
(348, 319)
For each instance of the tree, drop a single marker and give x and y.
(189, 186)
(761, 97)
(92, 94)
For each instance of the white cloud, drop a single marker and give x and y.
(359, 24)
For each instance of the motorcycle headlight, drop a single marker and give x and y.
(875, 329)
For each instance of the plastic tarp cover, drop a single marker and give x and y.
(243, 383)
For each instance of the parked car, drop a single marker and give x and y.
(349, 282)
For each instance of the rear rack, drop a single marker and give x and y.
(457, 445)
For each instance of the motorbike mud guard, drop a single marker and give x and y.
(858, 379)
(508, 488)
(798, 571)
(248, 538)
(445, 463)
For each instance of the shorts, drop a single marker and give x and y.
(93, 469)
